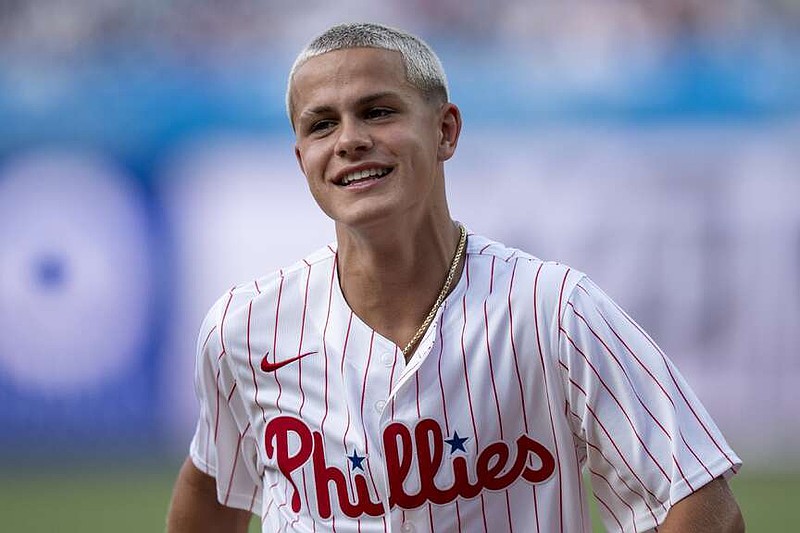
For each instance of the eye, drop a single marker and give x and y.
(379, 112)
(321, 126)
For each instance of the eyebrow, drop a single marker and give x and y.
(364, 100)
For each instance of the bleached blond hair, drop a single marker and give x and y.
(423, 68)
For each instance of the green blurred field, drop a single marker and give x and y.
(135, 500)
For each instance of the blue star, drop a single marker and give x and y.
(356, 460)
(456, 442)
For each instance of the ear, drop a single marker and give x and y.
(449, 131)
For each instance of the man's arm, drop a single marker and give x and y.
(195, 509)
(711, 509)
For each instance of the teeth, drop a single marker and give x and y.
(364, 174)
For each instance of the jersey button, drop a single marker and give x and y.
(379, 405)
(387, 359)
(407, 526)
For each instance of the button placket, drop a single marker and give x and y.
(387, 359)
(380, 405)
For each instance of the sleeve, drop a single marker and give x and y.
(647, 440)
(223, 445)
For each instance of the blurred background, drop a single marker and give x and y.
(146, 165)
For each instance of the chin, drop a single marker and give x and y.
(364, 219)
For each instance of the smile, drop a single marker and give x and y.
(364, 175)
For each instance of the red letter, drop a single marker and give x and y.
(461, 479)
(398, 466)
(324, 474)
(278, 429)
(488, 473)
(527, 445)
(427, 434)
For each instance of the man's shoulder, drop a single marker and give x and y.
(551, 281)
(519, 260)
(272, 285)
(292, 273)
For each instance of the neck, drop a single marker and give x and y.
(392, 281)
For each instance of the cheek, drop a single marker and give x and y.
(313, 163)
(422, 150)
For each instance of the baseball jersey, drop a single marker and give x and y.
(528, 375)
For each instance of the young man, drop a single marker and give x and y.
(413, 377)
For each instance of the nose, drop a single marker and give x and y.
(354, 138)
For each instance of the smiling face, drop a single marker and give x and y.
(371, 145)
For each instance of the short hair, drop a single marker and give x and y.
(423, 68)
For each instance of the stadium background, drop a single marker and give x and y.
(146, 165)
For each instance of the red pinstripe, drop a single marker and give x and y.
(347, 410)
(494, 383)
(419, 415)
(616, 470)
(614, 444)
(235, 463)
(222, 321)
(519, 376)
(208, 424)
(366, 441)
(364, 382)
(600, 500)
(444, 400)
(325, 353)
(466, 379)
(464, 358)
(416, 383)
(300, 370)
(325, 346)
(657, 382)
(675, 382)
(621, 367)
(275, 343)
(230, 394)
(222, 353)
(205, 343)
(710, 475)
(253, 498)
(514, 348)
(638, 397)
(620, 498)
(577, 471)
(346, 337)
(441, 380)
(491, 371)
(544, 377)
(250, 361)
(633, 354)
(300, 344)
(391, 377)
(619, 404)
(216, 415)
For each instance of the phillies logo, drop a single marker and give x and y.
(497, 466)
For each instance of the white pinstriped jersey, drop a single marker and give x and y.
(528, 374)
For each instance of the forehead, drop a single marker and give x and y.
(335, 76)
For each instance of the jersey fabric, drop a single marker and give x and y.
(528, 375)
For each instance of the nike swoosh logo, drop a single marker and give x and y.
(266, 366)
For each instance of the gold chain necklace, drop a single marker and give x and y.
(451, 274)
